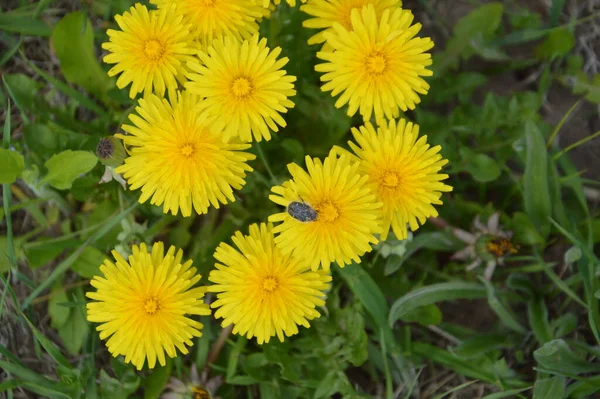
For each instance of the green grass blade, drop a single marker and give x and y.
(576, 144)
(506, 394)
(561, 123)
(535, 180)
(455, 389)
(64, 265)
(432, 294)
(561, 284)
(575, 241)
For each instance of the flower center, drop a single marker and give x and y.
(500, 247)
(200, 393)
(154, 49)
(376, 64)
(390, 179)
(151, 305)
(187, 150)
(241, 87)
(269, 284)
(328, 211)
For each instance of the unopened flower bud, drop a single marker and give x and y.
(110, 151)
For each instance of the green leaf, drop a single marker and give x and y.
(557, 44)
(111, 388)
(572, 255)
(525, 231)
(506, 316)
(89, 262)
(549, 388)
(241, 380)
(481, 344)
(424, 315)
(66, 166)
(59, 313)
(538, 320)
(536, 192)
(24, 24)
(156, 380)
(450, 361)
(506, 394)
(23, 89)
(557, 356)
(432, 294)
(367, 291)
(483, 168)
(74, 332)
(484, 19)
(11, 166)
(73, 42)
(473, 30)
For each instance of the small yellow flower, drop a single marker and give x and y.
(178, 157)
(331, 214)
(144, 304)
(403, 172)
(243, 84)
(378, 65)
(150, 51)
(327, 12)
(261, 291)
(212, 19)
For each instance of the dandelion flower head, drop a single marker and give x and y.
(179, 159)
(347, 213)
(213, 19)
(143, 305)
(377, 67)
(403, 171)
(326, 12)
(245, 82)
(150, 50)
(261, 291)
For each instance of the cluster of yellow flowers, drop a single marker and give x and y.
(225, 88)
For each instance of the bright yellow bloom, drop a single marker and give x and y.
(143, 305)
(378, 65)
(261, 291)
(214, 19)
(150, 51)
(178, 157)
(327, 12)
(244, 86)
(404, 172)
(346, 214)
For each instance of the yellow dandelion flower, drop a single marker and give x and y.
(331, 214)
(327, 12)
(261, 291)
(377, 66)
(213, 19)
(403, 171)
(150, 51)
(179, 158)
(142, 305)
(245, 82)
